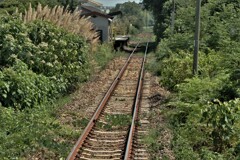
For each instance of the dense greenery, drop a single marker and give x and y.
(35, 133)
(39, 63)
(206, 114)
(160, 15)
(132, 20)
(56, 58)
(11, 5)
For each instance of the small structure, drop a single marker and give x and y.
(101, 20)
(120, 42)
(91, 3)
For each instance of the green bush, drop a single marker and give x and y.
(175, 68)
(194, 108)
(201, 89)
(22, 88)
(57, 60)
(183, 149)
(25, 133)
(223, 121)
(218, 77)
(103, 54)
(45, 48)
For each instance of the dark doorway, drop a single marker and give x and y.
(100, 34)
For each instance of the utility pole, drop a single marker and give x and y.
(146, 13)
(196, 41)
(173, 17)
(71, 6)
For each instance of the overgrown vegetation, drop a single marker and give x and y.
(35, 133)
(132, 19)
(205, 114)
(42, 60)
(103, 54)
(116, 121)
(11, 5)
(60, 16)
(60, 58)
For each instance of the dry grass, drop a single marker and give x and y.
(63, 18)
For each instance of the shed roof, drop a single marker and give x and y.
(94, 11)
(92, 2)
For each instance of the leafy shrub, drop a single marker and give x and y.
(103, 54)
(133, 30)
(183, 148)
(201, 89)
(223, 119)
(218, 77)
(59, 53)
(231, 88)
(46, 49)
(24, 133)
(23, 88)
(175, 68)
(194, 96)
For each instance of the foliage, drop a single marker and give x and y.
(11, 5)
(218, 76)
(103, 54)
(70, 21)
(177, 67)
(159, 14)
(153, 143)
(222, 118)
(132, 20)
(39, 62)
(194, 108)
(181, 71)
(73, 4)
(35, 131)
(22, 88)
(45, 49)
(182, 148)
(115, 121)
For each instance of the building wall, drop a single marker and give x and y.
(102, 23)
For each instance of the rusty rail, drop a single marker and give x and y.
(128, 150)
(105, 99)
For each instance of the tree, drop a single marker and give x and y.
(133, 17)
(73, 4)
(160, 15)
(11, 5)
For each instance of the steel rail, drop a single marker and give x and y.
(103, 102)
(128, 150)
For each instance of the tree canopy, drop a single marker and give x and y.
(133, 16)
(11, 5)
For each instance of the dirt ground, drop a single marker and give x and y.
(158, 121)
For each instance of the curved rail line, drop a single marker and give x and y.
(128, 145)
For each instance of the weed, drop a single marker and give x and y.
(80, 122)
(115, 121)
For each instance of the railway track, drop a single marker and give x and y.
(114, 132)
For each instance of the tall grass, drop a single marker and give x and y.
(62, 17)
